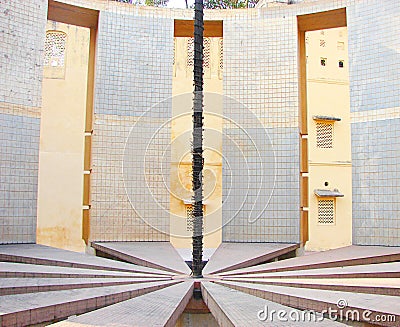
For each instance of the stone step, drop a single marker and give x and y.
(10, 286)
(23, 270)
(157, 255)
(383, 286)
(231, 256)
(347, 256)
(369, 308)
(233, 308)
(45, 255)
(159, 308)
(380, 270)
(36, 308)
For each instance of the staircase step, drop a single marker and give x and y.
(318, 300)
(159, 308)
(10, 286)
(231, 256)
(233, 308)
(23, 270)
(346, 256)
(157, 255)
(35, 308)
(380, 270)
(45, 255)
(384, 286)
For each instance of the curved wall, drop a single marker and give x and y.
(134, 72)
(22, 32)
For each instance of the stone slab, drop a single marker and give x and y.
(35, 308)
(158, 255)
(380, 270)
(233, 308)
(21, 270)
(346, 256)
(320, 300)
(10, 286)
(46, 255)
(230, 256)
(159, 308)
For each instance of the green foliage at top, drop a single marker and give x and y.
(229, 4)
(154, 3)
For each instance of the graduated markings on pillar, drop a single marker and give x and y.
(197, 147)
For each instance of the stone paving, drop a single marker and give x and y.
(319, 300)
(231, 256)
(46, 255)
(9, 269)
(10, 286)
(40, 285)
(34, 308)
(384, 286)
(159, 308)
(380, 270)
(233, 308)
(346, 256)
(159, 255)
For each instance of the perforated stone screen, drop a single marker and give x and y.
(324, 135)
(54, 49)
(326, 212)
(206, 52)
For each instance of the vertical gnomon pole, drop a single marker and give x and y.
(197, 147)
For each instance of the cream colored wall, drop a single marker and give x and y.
(328, 95)
(62, 143)
(181, 158)
(61, 153)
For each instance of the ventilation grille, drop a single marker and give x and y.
(190, 218)
(206, 52)
(54, 49)
(324, 135)
(190, 52)
(326, 212)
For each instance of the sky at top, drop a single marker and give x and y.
(179, 3)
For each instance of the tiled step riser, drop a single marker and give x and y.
(104, 250)
(44, 262)
(306, 304)
(339, 263)
(342, 288)
(217, 312)
(270, 254)
(121, 256)
(47, 288)
(234, 308)
(18, 274)
(62, 311)
(172, 321)
(394, 274)
(159, 308)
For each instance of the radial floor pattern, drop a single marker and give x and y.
(148, 284)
